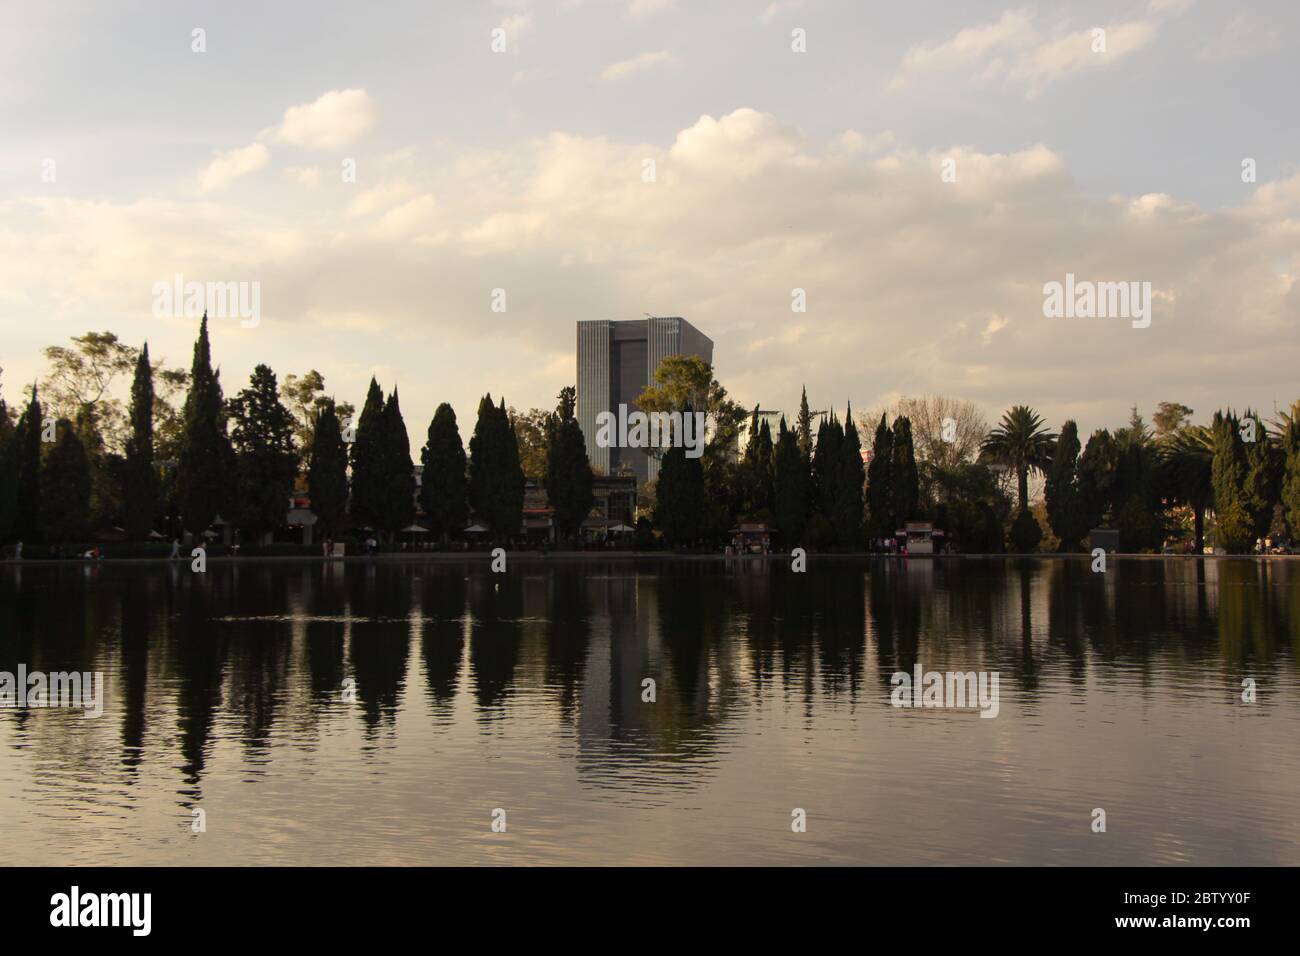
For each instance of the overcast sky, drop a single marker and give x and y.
(774, 170)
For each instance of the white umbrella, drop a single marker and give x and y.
(476, 529)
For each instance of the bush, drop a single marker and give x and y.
(1025, 532)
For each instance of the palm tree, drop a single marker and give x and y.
(1021, 442)
(1187, 456)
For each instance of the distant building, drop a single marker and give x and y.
(616, 361)
(613, 510)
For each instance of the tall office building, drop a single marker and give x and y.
(616, 361)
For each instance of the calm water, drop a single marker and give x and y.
(523, 691)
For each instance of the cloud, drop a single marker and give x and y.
(913, 285)
(229, 165)
(642, 8)
(1016, 52)
(1243, 35)
(776, 8)
(639, 64)
(337, 118)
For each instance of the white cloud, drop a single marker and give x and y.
(1015, 51)
(642, 8)
(639, 64)
(337, 118)
(1243, 35)
(229, 165)
(777, 8)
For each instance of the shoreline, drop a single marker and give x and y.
(446, 557)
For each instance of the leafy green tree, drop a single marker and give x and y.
(882, 522)
(82, 377)
(680, 504)
(204, 474)
(266, 461)
(304, 396)
(759, 464)
(1188, 461)
(685, 383)
(27, 469)
(327, 472)
(368, 451)
(1064, 508)
(496, 479)
(568, 470)
(533, 435)
(846, 517)
(143, 503)
(1021, 442)
(903, 478)
(1025, 532)
(1136, 499)
(443, 488)
(791, 480)
(397, 504)
(1170, 417)
(1263, 475)
(65, 487)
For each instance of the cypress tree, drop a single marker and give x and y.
(1062, 490)
(142, 487)
(568, 471)
(8, 472)
(1096, 474)
(496, 480)
(904, 482)
(803, 428)
(398, 502)
(826, 466)
(65, 487)
(1290, 492)
(327, 472)
(847, 515)
(880, 483)
(443, 489)
(1234, 529)
(27, 468)
(791, 487)
(679, 502)
(204, 473)
(368, 461)
(1260, 489)
(266, 461)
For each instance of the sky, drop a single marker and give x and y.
(919, 171)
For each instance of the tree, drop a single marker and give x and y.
(1021, 443)
(65, 487)
(826, 467)
(443, 488)
(1169, 418)
(790, 494)
(27, 470)
(83, 376)
(205, 471)
(803, 429)
(945, 431)
(1289, 439)
(568, 471)
(846, 517)
(881, 519)
(327, 472)
(305, 397)
(904, 481)
(141, 490)
(1234, 529)
(8, 470)
(685, 383)
(1065, 513)
(397, 504)
(496, 479)
(368, 450)
(680, 503)
(1263, 473)
(265, 458)
(533, 434)
(758, 468)
(1025, 532)
(1188, 460)
(1096, 472)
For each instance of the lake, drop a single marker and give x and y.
(390, 712)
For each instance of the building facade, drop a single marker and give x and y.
(616, 361)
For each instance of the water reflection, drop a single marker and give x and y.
(269, 686)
